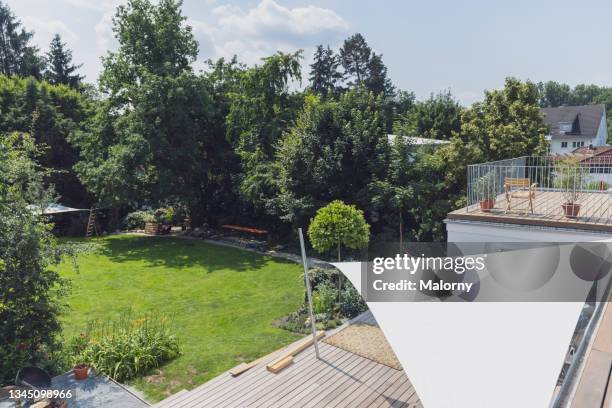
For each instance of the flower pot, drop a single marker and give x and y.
(571, 210)
(487, 205)
(81, 371)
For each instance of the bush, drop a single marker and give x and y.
(324, 298)
(351, 303)
(137, 219)
(126, 348)
(598, 185)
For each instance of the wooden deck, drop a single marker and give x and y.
(339, 379)
(595, 212)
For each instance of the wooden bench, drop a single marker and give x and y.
(520, 189)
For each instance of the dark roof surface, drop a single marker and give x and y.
(586, 119)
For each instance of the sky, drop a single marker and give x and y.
(428, 46)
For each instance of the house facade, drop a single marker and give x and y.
(573, 127)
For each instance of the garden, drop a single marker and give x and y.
(217, 303)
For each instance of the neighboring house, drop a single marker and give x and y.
(598, 160)
(572, 127)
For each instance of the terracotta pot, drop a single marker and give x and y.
(81, 371)
(571, 210)
(487, 205)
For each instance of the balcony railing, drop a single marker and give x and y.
(543, 186)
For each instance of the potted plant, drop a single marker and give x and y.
(485, 189)
(81, 371)
(569, 178)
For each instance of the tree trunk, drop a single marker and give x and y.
(339, 275)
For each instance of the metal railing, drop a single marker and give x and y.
(551, 184)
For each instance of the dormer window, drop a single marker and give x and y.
(565, 127)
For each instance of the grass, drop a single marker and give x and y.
(222, 301)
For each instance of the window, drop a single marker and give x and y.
(565, 127)
(577, 144)
(563, 145)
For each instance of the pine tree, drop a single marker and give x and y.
(324, 73)
(60, 68)
(17, 57)
(355, 56)
(377, 80)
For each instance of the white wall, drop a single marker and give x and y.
(555, 144)
(602, 133)
(471, 231)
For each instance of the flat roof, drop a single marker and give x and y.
(596, 207)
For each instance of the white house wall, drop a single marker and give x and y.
(473, 231)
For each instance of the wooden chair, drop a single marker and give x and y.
(520, 189)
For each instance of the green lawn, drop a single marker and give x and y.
(222, 301)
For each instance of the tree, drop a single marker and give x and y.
(336, 225)
(554, 94)
(334, 150)
(262, 108)
(51, 114)
(30, 288)
(437, 117)
(324, 73)
(396, 192)
(377, 80)
(60, 69)
(150, 141)
(355, 57)
(507, 124)
(17, 56)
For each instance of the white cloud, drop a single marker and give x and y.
(271, 20)
(266, 28)
(105, 39)
(103, 5)
(44, 30)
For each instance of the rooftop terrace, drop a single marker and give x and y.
(555, 191)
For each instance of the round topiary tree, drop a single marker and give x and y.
(336, 225)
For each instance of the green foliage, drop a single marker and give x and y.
(137, 219)
(52, 114)
(570, 177)
(126, 348)
(262, 108)
(17, 55)
(437, 117)
(324, 298)
(598, 185)
(334, 151)
(507, 123)
(338, 224)
(486, 187)
(355, 55)
(30, 288)
(351, 302)
(324, 73)
(60, 69)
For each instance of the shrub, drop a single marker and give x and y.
(126, 348)
(351, 303)
(486, 187)
(324, 298)
(137, 219)
(598, 185)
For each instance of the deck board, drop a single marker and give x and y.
(595, 212)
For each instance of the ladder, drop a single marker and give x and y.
(92, 228)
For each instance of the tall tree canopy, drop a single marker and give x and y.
(335, 149)
(324, 72)
(60, 69)
(437, 117)
(262, 108)
(52, 114)
(150, 141)
(355, 55)
(17, 55)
